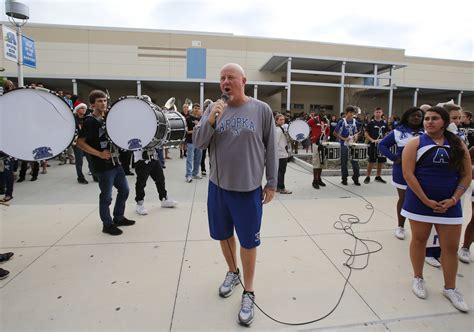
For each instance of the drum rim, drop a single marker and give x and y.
(62, 99)
(150, 144)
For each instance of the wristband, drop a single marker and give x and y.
(461, 187)
(454, 199)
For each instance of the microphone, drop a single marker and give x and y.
(224, 98)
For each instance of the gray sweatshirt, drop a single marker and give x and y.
(242, 145)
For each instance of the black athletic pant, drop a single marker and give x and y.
(125, 158)
(34, 168)
(144, 170)
(281, 172)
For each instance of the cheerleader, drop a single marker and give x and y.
(436, 167)
(411, 125)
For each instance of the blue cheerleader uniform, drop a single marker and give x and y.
(398, 137)
(437, 180)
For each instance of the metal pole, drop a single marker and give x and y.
(288, 84)
(341, 95)
(20, 57)
(139, 88)
(255, 91)
(415, 97)
(460, 97)
(201, 94)
(74, 86)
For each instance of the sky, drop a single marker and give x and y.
(436, 29)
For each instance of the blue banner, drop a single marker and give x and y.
(196, 63)
(28, 51)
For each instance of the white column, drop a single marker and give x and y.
(390, 96)
(139, 88)
(460, 97)
(201, 94)
(255, 91)
(74, 86)
(288, 84)
(376, 69)
(341, 94)
(415, 97)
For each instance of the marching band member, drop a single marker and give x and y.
(374, 133)
(320, 130)
(282, 151)
(93, 140)
(347, 132)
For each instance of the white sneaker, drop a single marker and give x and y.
(197, 177)
(433, 262)
(400, 233)
(141, 209)
(189, 179)
(464, 255)
(418, 288)
(456, 299)
(168, 202)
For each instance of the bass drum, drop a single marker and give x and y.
(35, 124)
(177, 129)
(134, 123)
(298, 130)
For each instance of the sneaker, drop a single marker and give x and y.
(197, 177)
(285, 191)
(141, 209)
(189, 179)
(203, 173)
(464, 255)
(168, 202)
(6, 256)
(231, 280)
(400, 233)
(123, 222)
(456, 299)
(246, 313)
(356, 181)
(433, 262)
(111, 230)
(315, 184)
(367, 180)
(82, 181)
(379, 179)
(418, 288)
(34, 178)
(344, 182)
(321, 183)
(20, 179)
(4, 273)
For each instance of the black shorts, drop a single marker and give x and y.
(374, 155)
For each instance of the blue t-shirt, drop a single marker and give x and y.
(346, 128)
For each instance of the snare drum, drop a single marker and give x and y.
(298, 130)
(134, 123)
(332, 150)
(358, 151)
(35, 124)
(177, 129)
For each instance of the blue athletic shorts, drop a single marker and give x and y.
(227, 210)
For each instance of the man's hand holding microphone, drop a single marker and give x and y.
(217, 109)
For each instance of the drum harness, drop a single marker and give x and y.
(344, 223)
(114, 151)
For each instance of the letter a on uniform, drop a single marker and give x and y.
(441, 157)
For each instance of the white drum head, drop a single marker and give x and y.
(298, 130)
(131, 123)
(35, 124)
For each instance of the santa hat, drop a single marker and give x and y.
(80, 105)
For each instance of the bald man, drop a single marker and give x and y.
(240, 134)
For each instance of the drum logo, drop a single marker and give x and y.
(42, 153)
(300, 137)
(134, 143)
